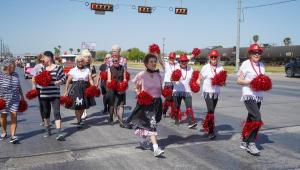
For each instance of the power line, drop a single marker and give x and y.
(269, 4)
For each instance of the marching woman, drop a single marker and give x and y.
(254, 82)
(11, 93)
(86, 54)
(168, 68)
(102, 81)
(50, 92)
(148, 110)
(81, 78)
(181, 78)
(212, 81)
(117, 99)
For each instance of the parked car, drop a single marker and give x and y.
(27, 69)
(293, 67)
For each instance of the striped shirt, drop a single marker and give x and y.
(10, 91)
(53, 90)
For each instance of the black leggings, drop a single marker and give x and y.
(254, 114)
(46, 104)
(188, 104)
(211, 104)
(40, 106)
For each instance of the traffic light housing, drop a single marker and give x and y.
(181, 11)
(102, 7)
(145, 9)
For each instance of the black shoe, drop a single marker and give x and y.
(191, 126)
(14, 140)
(211, 135)
(128, 125)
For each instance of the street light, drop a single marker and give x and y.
(237, 52)
(163, 52)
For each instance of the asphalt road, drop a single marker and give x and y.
(102, 146)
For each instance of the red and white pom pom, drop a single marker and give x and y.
(195, 75)
(167, 92)
(195, 88)
(154, 48)
(219, 79)
(176, 75)
(66, 101)
(122, 86)
(196, 52)
(2, 104)
(103, 75)
(22, 106)
(261, 83)
(43, 79)
(144, 98)
(127, 75)
(112, 85)
(32, 94)
(92, 91)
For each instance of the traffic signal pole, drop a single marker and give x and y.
(237, 51)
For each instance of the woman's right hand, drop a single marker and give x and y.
(65, 94)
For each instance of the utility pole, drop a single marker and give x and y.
(163, 52)
(237, 52)
(1, 48)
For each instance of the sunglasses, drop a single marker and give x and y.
(184, 61)
(213, 57)
(115, 61)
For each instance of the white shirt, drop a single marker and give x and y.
(183, 85)
(79, 74)
(250, 74)
(36, 69)
(168, 69)
(207, 73)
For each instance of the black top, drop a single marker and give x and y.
(103, 67)
(117, 73)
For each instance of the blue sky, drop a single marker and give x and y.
(38, 25)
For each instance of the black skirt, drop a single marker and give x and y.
(147, 117)
(115, 98)
(80, 101)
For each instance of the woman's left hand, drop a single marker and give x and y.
(57, 83)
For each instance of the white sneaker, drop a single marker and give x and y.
(244, 145)
(252, 149)
(84, 114)
(158, 152)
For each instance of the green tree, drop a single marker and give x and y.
(287, 41)
(255, 38)
(179, 52)
(59, 49)
(135, 54)
(71, 50)
(78, 50)
(100, 55)
(56, 51)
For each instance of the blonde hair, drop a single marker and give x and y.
(86, 53)
(79, 57)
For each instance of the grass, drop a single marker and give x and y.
(229, 69)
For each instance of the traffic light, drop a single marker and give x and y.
(102, 7)
(181, 11)
(145, 9)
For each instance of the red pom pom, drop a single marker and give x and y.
(261, 83)
(66, 100)
(112, 85)
(195, 75)
(127, 75)
(176, 74)
(196, 52)
(22, 106)
(2, 104)
(249, 126)
(32, 94)
(209, 122)
(92, 91)
(194, 86)
(103, 75)
(43, 79)
(144, 98)
(219, 79)
(122, 86)
(154, 48)
(167, 92)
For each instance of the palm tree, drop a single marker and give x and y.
(59, 47)
(287, 41)
(255, 38)
(71, 50)
(56, 51)
(78, 50)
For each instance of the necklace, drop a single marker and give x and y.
(213, 69)
(185, 74)
(255, 69)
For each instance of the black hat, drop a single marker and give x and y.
(49, 54)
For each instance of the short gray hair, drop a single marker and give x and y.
(6, 62)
